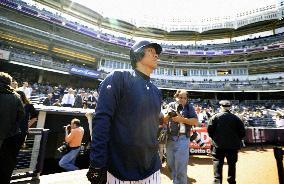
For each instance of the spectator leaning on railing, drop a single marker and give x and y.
(26, 89)
(68, 99)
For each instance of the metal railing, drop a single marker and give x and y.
(30, 159)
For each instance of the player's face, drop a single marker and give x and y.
(150, 58)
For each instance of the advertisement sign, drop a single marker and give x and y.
(255, 135)
(4, 54)
(200, 141)
(85, 72)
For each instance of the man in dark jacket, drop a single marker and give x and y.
(48, 101)
(79, 100)
(11, 114)
(92, 100)
(125, 125)
(226, 131)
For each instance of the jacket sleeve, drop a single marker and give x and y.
(109, 96)
(241, 128)
(64, 99)
(69, 137)
(211, 128)
(191, 111)
(20, 111)
(33, 112)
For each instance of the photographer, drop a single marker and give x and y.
(181, 116)
(73, 136)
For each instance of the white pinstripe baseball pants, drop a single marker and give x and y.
(153, 179)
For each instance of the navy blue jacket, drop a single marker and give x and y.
(125, 126)
(12, 112)
(226, 130)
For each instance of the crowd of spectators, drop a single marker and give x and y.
(52, 94)
(267, 114)
(49, 95)
(235, 84)
(253, 115)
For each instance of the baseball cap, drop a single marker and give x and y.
(139, 46)
(225, 103)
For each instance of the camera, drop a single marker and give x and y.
(172, 113)
(68, 128)
(195, 137)
(63, 148)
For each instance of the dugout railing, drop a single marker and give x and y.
(31, 157)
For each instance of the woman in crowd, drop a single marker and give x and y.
(30, 113)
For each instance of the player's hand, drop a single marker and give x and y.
(97, 175)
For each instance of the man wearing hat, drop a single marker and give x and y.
(226, 131)
(124, 139)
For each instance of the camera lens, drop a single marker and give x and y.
(193, 136)
(172, 114)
